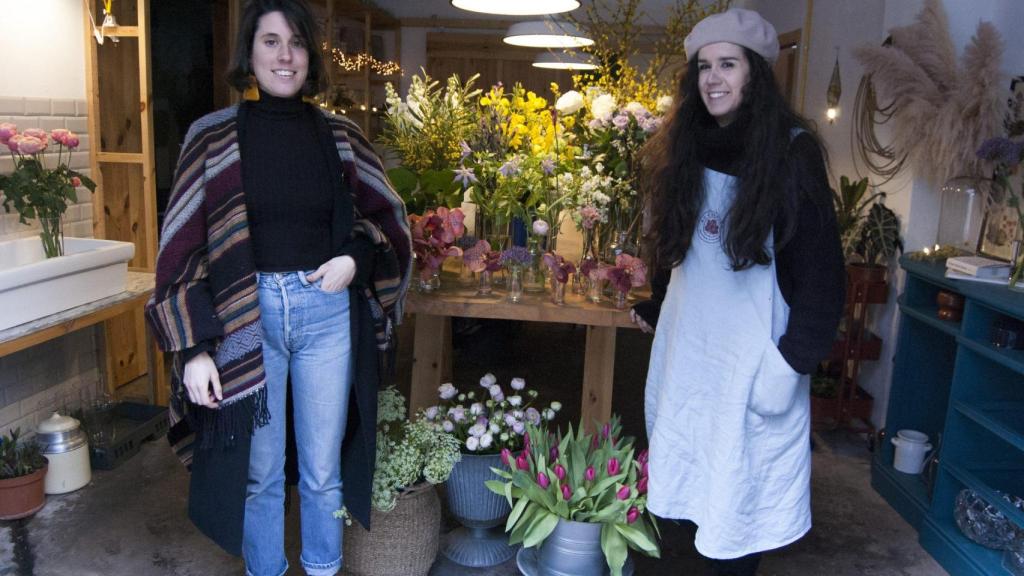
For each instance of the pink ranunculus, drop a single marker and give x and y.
(641, 485)
(589, 474)
(521, 461)
(506, 457)
(560, 471)
(613, 466)
(30, 145)
(632, 514)
(623, 493)
(72, 141)
(7, 130)
(566, 492)
(542, 480)
(60, 135)
(76, 181)
(37, 133)
(12, 143)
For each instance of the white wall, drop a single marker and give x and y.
(42, 49)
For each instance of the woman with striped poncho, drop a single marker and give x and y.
(284, 258)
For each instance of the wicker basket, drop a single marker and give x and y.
(402, 542)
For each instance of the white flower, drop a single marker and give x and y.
(515, 400)
(477, 430)
(518, 414)
(518, 383)
(431, 413)
(556, 406)
(458, 413)
(494, 428)
(447, 426)
(447, 391)
(540, 228)
(569, 103)
(476, 409)
(549, 414)
(488, 380)
(603, 106)
(519, 428)
(510, 420)
(636, 109)
(503, 437)
(486, 440)
(664, 104)
(472, 443)
(496, 393)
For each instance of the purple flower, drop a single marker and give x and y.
(641, 486)
(540, 227)
(509, 168)
(488, 379)
(533, 416)
(1002, 150)
(465, 176)
(472, 443)
(623, 493)
(496, 394)
(559, 471)
(548, 166)
(553, 453)
(542, 480)
(458, 413)
(476, 409)
(431, 413)
(566, 492)
(516, 256)
(620, 121)
(518, 427)
(521, 462)
(590, 474)
(632, 515)
(506, 457)
(518, 384)
(465, 150)
(447, 426)
(613, 466)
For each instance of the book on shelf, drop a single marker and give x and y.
(954, 275)
(978, 266)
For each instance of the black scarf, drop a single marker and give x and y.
(721, 148)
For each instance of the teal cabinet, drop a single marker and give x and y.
(950, 380)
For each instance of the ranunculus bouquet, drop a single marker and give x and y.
(487, 420)
(36, 191)
(581, 477)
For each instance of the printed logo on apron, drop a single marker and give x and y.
(710, 227)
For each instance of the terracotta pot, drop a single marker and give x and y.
(864, 274)
(22, 496)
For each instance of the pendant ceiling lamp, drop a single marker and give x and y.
(517, 7)
(564, 61)
(546, 34)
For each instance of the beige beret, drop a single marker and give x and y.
(738, 26)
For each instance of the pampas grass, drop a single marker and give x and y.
(945, 109)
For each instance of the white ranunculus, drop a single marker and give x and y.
(569, 103)
(518, 383)
(486, 440)
(515, 400)
(472, 443)
(664, 104)
(476, 409)
(488, 380)
(636, 109)
(603, 107)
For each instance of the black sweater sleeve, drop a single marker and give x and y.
(649, 310)
(809, 265)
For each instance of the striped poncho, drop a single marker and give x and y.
(206, 276)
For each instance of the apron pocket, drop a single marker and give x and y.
(776, 384)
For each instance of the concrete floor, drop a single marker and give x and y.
(131, 521)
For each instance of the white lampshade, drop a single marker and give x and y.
(517, 7)
(546, 34)
(564, 61)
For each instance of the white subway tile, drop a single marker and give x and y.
(79, 160)
(77, 124)
(82, 107)
(12, 106)
(49, 123)
(9, 414)
(62, 107)
(37, 106)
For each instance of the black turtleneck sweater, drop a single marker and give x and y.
(287, 183)
(808, 262)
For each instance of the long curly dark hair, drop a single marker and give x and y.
(674, 175)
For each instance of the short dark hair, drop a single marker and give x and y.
(298, 14)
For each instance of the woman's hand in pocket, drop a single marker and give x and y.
(337, 273)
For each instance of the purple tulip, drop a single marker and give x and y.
(553, 453)
(560, 471)
(642, 458)
(543, 481)
(566, 492)
(623, 493)
(613, 466)
(641, 485)
(521, 462)
(632, 515)
(606, 430)
(643, 469)
(506, 457)
(526, 442)
(590, 474)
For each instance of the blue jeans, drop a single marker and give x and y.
(306, 335)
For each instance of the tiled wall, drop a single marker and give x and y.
(56, 374)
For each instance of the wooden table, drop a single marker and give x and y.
(432, 339)
(138, 288)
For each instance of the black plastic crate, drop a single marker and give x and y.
(132, 425)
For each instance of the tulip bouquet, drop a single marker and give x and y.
(486, 421)
(579, 477)
(36, 191)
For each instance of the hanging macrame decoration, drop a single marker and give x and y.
(944, 109)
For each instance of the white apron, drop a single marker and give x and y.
(728, 420)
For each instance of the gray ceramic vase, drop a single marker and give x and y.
(572, 549)
(481, 541)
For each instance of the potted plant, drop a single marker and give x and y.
(580, 498)
(405, 520)
(37, 192)
(869, 231)
(22, 470)
(485, 422)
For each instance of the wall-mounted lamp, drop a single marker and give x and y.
(835, 90)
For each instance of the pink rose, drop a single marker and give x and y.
(7, 130)
(30, 145)
(76, 181)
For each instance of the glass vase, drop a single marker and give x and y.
(484, 287)
(621, 297)
(515, 283)
(533, 273)
(557, 291)
(593, 290)
(52, 235)
(580, 283)
(430, 282)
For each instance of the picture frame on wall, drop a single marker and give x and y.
(1001, 225)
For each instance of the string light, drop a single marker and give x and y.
(356, 62)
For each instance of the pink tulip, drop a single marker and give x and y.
(560, 471)
(590, 474)
(30, 145)
(613, 466)
(641, 485)
(76, 181)
(632, 515)
(542, 480)
(623, 493)
(526, 441)
(506, 457)
(593, 442)
(606, 430)
(7, 130)
(566, 492)
(642, 458)
(521, 462)
(643, 469)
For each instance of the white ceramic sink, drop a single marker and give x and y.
(33, 286)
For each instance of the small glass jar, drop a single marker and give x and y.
(484, 287)
(515, 283)
(557, 291)
(533, 273)
(621, 297)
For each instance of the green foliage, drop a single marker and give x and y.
(35, 192)
(880, 235)
(17, 457)
(870, 232)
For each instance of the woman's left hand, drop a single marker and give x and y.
(337, 273)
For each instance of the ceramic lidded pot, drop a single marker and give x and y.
(64, 444)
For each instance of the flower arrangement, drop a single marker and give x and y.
(488, 421)
(628, 272)
(36, 191)
(580, 477)
(434, 235)
(1007, 155)
(480, 258)
(515, 256)
(427, 131)
(560, 268)
(19, 458)
(408, 451)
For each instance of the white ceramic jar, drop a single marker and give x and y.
(64, 444)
